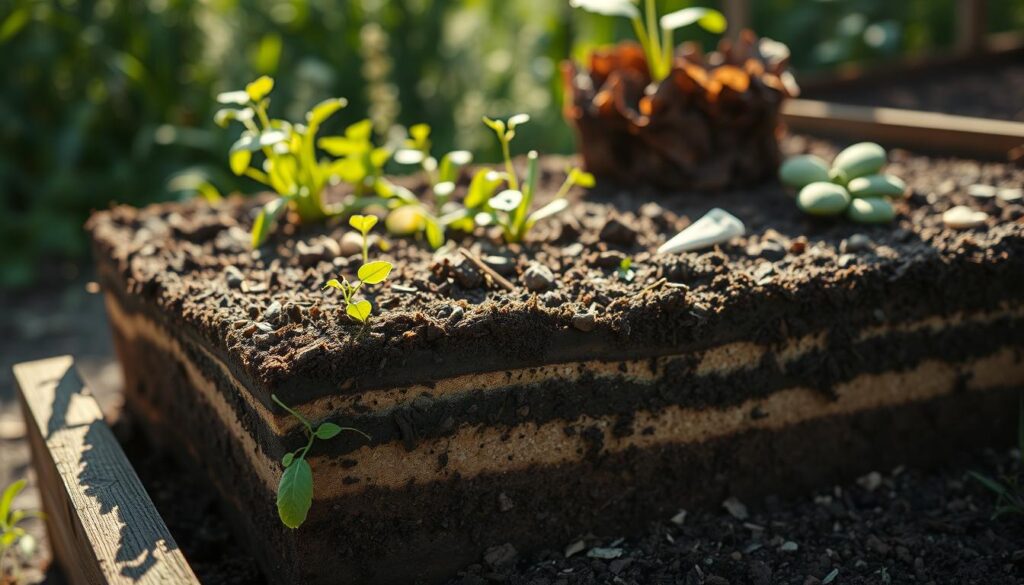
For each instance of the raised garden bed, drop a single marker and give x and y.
(562, 396)
(967, 105)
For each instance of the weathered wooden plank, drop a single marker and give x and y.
(103, 526)
(926, 130)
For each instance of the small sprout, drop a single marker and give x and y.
(295, 490)
(511, 208)
(289, 163)
(370, 273)
(13, 538)
(659, 48)
(625, 270)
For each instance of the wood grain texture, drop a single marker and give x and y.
(103, 526)
(911, 128)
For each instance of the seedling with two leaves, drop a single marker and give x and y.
(13, 538)
(295, 490)
(409, 215)
(659, 48)
(370, 273)
(290, 163)
(510, 208)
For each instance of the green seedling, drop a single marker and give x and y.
(625, 271)
(511, 208)
(290, 165)
(370, 273)
(1009, 491)
(409, 215)
(360, 163)
(295, 490)
(656, 35)
(13, 538)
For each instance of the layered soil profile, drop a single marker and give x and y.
(803, 353)
(712, 124)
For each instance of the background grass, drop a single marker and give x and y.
(111, 100)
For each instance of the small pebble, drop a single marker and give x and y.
(1011, 194)
(962, 217)
(538, 278)
(351, 244)
(789, 546)
(856, 243)
(233, 276)
(982, 191)
(735, 508)
(273, 312)
(584, 321)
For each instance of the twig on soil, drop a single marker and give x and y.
(501, 280)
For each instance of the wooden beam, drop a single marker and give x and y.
(103, 527)
(971, 25)
(928, 131)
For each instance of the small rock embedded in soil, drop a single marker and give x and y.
(982, 191)
(538, 278)
(617, 231)
(273, 312)
(604, 553)
(962, 217)
(351, 244)
(735, 508)
(500, 556)
(466, 274)
(584, 321)
(233, 277)
(856, 243)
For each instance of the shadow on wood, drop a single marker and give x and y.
(103, 526)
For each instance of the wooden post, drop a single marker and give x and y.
(737, 12)
(103, 527)
(971, 25)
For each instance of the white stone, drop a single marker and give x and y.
(716, 227)
(962, 217)
(1011, 194)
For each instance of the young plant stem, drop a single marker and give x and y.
(655, 42)
(301, 418)
(513, 181)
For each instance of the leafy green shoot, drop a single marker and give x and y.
(658, 48)
(289, 159)
(510, 208)
(625, 270)
(1009, 491)
(295, 490)
(14, 540)
(413, 216)
(370, 273)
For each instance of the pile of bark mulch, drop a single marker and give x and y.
(901, 526)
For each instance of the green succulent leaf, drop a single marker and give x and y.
(359, 310)
(327, 430)
(295, 493)
(375, 272)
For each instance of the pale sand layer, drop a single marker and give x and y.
(473, 450)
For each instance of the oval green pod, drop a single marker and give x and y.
(861, 159)
(871, 210)
(802, 170)
(877, 186)
(837, 176)
(823, 198)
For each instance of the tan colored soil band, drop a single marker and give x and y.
(474, 450)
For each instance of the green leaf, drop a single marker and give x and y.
(420, 133)
(334, 283)
(709, 19)
(327, 430)
(265, 221)
(582, 178)
(360, 131)
(259, 89)
(374, 272)
(363, 223)
(324, 110)
(517, 120)
(6, 499)
(608, 7)
(482, 188)
(989, 483)
(288, 459)
(409, 156)
(339, 145)
(359, 310)
(239, 161)
(208, 192)
(556, 206)
(496, 125)
(295, 494)
(508, 200)
(434, 233)
(450, 164)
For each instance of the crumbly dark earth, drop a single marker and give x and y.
(990, 89)
(435, 309)
(901, 526)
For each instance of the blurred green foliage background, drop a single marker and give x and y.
(112, 100)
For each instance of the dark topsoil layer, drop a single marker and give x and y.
(990, 89)
(791, 274)
(906, 526)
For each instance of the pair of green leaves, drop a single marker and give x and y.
(659, 48)
(370, 273)
(295, 489)
(10, 531)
